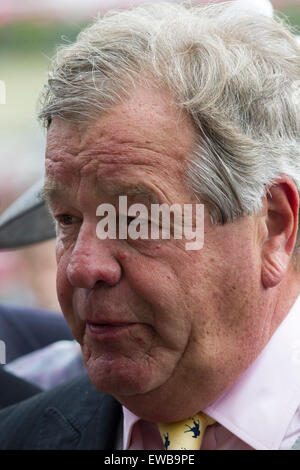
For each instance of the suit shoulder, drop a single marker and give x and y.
(21, 424)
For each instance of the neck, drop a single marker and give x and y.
(281, 303)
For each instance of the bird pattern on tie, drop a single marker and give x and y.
(187, 434)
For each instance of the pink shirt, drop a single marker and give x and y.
(260, 411)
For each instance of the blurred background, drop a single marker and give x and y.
(30, 30)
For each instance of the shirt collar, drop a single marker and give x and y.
(129, 420)
(259, 406)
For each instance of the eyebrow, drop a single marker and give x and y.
(133, 190)
(50, 189)
(54, 188)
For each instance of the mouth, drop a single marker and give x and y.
(111, 329)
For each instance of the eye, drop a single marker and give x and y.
(65, 220)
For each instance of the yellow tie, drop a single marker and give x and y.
(187, 434)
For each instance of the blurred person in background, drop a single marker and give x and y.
(14, 389)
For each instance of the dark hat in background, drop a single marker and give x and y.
(26, 220)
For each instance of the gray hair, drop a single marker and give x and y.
(236, 74)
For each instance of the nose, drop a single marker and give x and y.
(92, 261)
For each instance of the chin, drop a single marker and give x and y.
(119, 377)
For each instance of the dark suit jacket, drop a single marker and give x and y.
(72, 416)
(13, 389)
(25, 330)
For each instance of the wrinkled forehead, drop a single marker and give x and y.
(147, 118)
(107, 150)
(143, 138)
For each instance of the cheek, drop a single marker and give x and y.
(63, 287)
(62, 263)
(63, 255)
(60, 250)
(160, 289)
(67, 295)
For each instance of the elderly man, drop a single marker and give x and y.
(168, 104)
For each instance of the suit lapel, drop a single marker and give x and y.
(88, 420)
(101, 431)
(57, 432)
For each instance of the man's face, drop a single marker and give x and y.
(163, 329)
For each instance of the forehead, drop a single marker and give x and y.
(146, 135)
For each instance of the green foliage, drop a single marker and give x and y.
(293, 16)
(29, 37)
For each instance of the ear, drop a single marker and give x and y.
(281, 224)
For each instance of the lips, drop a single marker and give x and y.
(107, 328)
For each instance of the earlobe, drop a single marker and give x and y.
(274, 268)
(281, 224)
